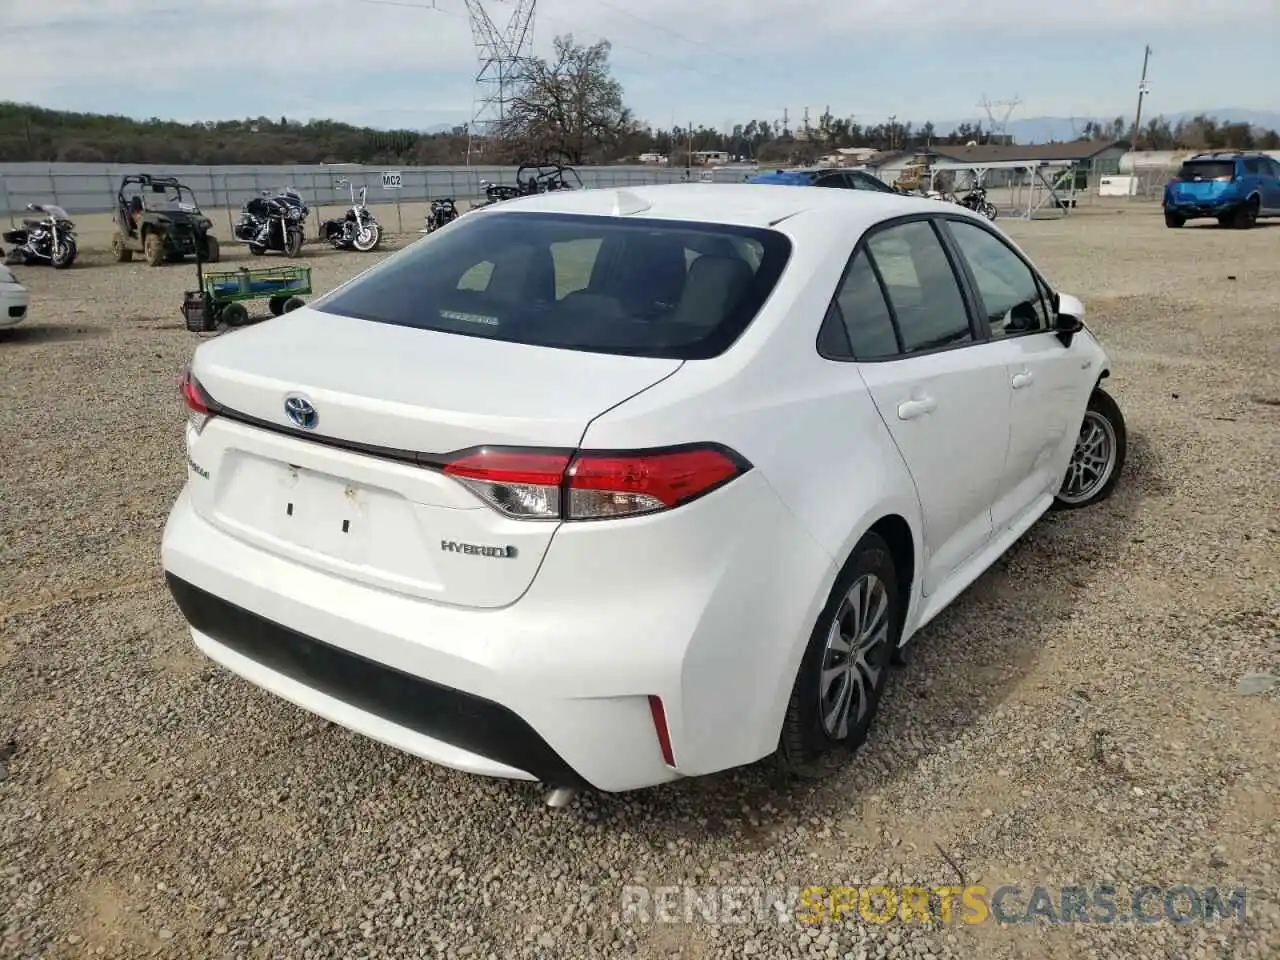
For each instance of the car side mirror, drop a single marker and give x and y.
(1068, 317)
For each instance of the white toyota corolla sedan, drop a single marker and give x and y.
(611, 487)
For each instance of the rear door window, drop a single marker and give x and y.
(619, 285)
(1207, 170)
(921, 285)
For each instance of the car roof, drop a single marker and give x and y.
(737, 204)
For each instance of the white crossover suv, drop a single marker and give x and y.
(606, 488)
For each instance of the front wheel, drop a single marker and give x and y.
(212, 252)
(1098, 456)
(366, 238)
(64, 255)
(988, 209)
(1173, 220)
(846, 664)
(292, 243)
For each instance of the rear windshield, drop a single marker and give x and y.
(618, 285)
(1207, 170)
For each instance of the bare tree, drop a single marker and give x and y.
(569, 105)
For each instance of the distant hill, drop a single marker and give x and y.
(1048, 129)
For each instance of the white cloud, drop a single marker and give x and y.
(325, 57)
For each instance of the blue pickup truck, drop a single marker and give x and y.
(1235, 187)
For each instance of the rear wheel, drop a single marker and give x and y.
(846, 664)
(1246, 215)
(119, 252)
(257, 250)
(1098, 457)
(988, 209)
(153, 249)
(276, 305)
(293, 303)
(1173, 220)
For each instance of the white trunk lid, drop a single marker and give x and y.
(375, 516)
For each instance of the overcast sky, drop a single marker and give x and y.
(391, 63)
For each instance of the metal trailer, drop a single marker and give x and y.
(221, 296)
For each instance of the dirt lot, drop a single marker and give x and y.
(1076, 718)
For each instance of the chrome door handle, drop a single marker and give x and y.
(914, 409)
(1024, 379)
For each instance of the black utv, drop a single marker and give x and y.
(159, 218)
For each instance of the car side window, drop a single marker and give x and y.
(864, 181)
(1253, 165)
(1011, 296)
(833, 179)
(861, 308)
(921, 286)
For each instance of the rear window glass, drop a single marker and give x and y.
(1207, 170)
(628, 286)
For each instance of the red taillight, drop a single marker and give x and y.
(199, 404)
(659, 714)
(542, 485)
(521, 484)
(193, 394)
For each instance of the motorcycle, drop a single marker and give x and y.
(50, 238)
(357, 229)
(976, 200)
(531, 178)
(273, 222)
(442, 212)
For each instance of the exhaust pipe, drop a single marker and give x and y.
(558, 797)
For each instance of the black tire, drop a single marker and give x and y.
(1246, 215)
(65, 255)
(256, 250)
(212, 252)
(153, 249)
(1102, 413)
(119, 252)
(292, 243)
(276, 305)
(988, 210)
(235, 315)
(1173, 220)
(293, 303)
(805, 738)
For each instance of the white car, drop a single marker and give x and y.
(608, 488)
(14, 299)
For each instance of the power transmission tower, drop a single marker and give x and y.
(504, 54)
(1003, 109)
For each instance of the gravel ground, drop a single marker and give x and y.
(1077, 717)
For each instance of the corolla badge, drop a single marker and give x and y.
(300, 411)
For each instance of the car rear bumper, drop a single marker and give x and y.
(553, 688)
(1191, 210)
(14, 301)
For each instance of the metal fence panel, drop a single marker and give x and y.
(91, 188)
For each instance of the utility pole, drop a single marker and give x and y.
(786, 129)
(893, 132)
(1142, 92)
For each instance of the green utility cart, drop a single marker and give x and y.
(221, 296)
